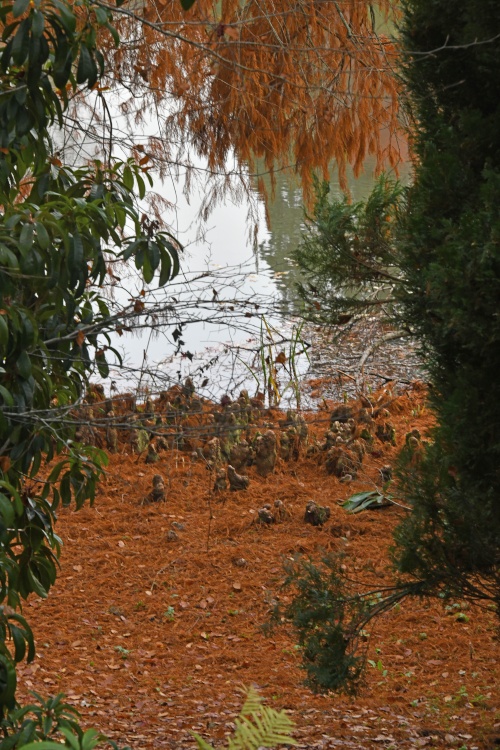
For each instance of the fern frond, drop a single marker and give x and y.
(202, 744)
(265, 728)
(256, 726)
(252, 704)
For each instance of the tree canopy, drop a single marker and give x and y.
(60, 226)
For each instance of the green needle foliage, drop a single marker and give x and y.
(321, 611)
(329, 613)
(443, 253)
(450, 257)
(60, 227)
(349, 255)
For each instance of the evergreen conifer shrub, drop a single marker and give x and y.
(450, 256)
(446, 240)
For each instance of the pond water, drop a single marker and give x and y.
(233, 308)
(224, 334)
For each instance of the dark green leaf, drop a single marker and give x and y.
(8, 681)
(165, 268)
(147, 270)
(27, 634)
(38, 24)
(87, 69)
(4, 335)
(7, 257)
(21, 44)
(19, 7)
(76, 263)
(101, 15)
(141, 186)
(19, 643)
(131, 248)
(102, 366)
(66, 16)
(35, 584)
(26, 238)
(42, 235)
(62, 68)
(23, 365)
(6, 510)
(128, 178)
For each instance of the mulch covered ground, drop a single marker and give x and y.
(152, 636)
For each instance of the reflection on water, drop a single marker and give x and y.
(287, 215)
(226, 297)
(224, 287)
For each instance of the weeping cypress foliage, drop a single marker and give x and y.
(450, 256)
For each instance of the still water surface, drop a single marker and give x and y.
(233, 299)
(262, 274)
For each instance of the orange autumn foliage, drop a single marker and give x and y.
(303, 84)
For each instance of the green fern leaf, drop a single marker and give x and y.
(256, 726)
(265, 727)
(252, 704)
(201, 742)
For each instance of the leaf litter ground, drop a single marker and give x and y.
(153, 637)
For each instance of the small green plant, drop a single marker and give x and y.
(44, 723)
(41, 720)
(462, 695)
(124, 652)
(321, 612)
(378, 665)
(329, 614)
(256, 726)
(139, 606)
(169, 614)
(479, 700)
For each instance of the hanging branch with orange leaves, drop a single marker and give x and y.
(254, 85)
